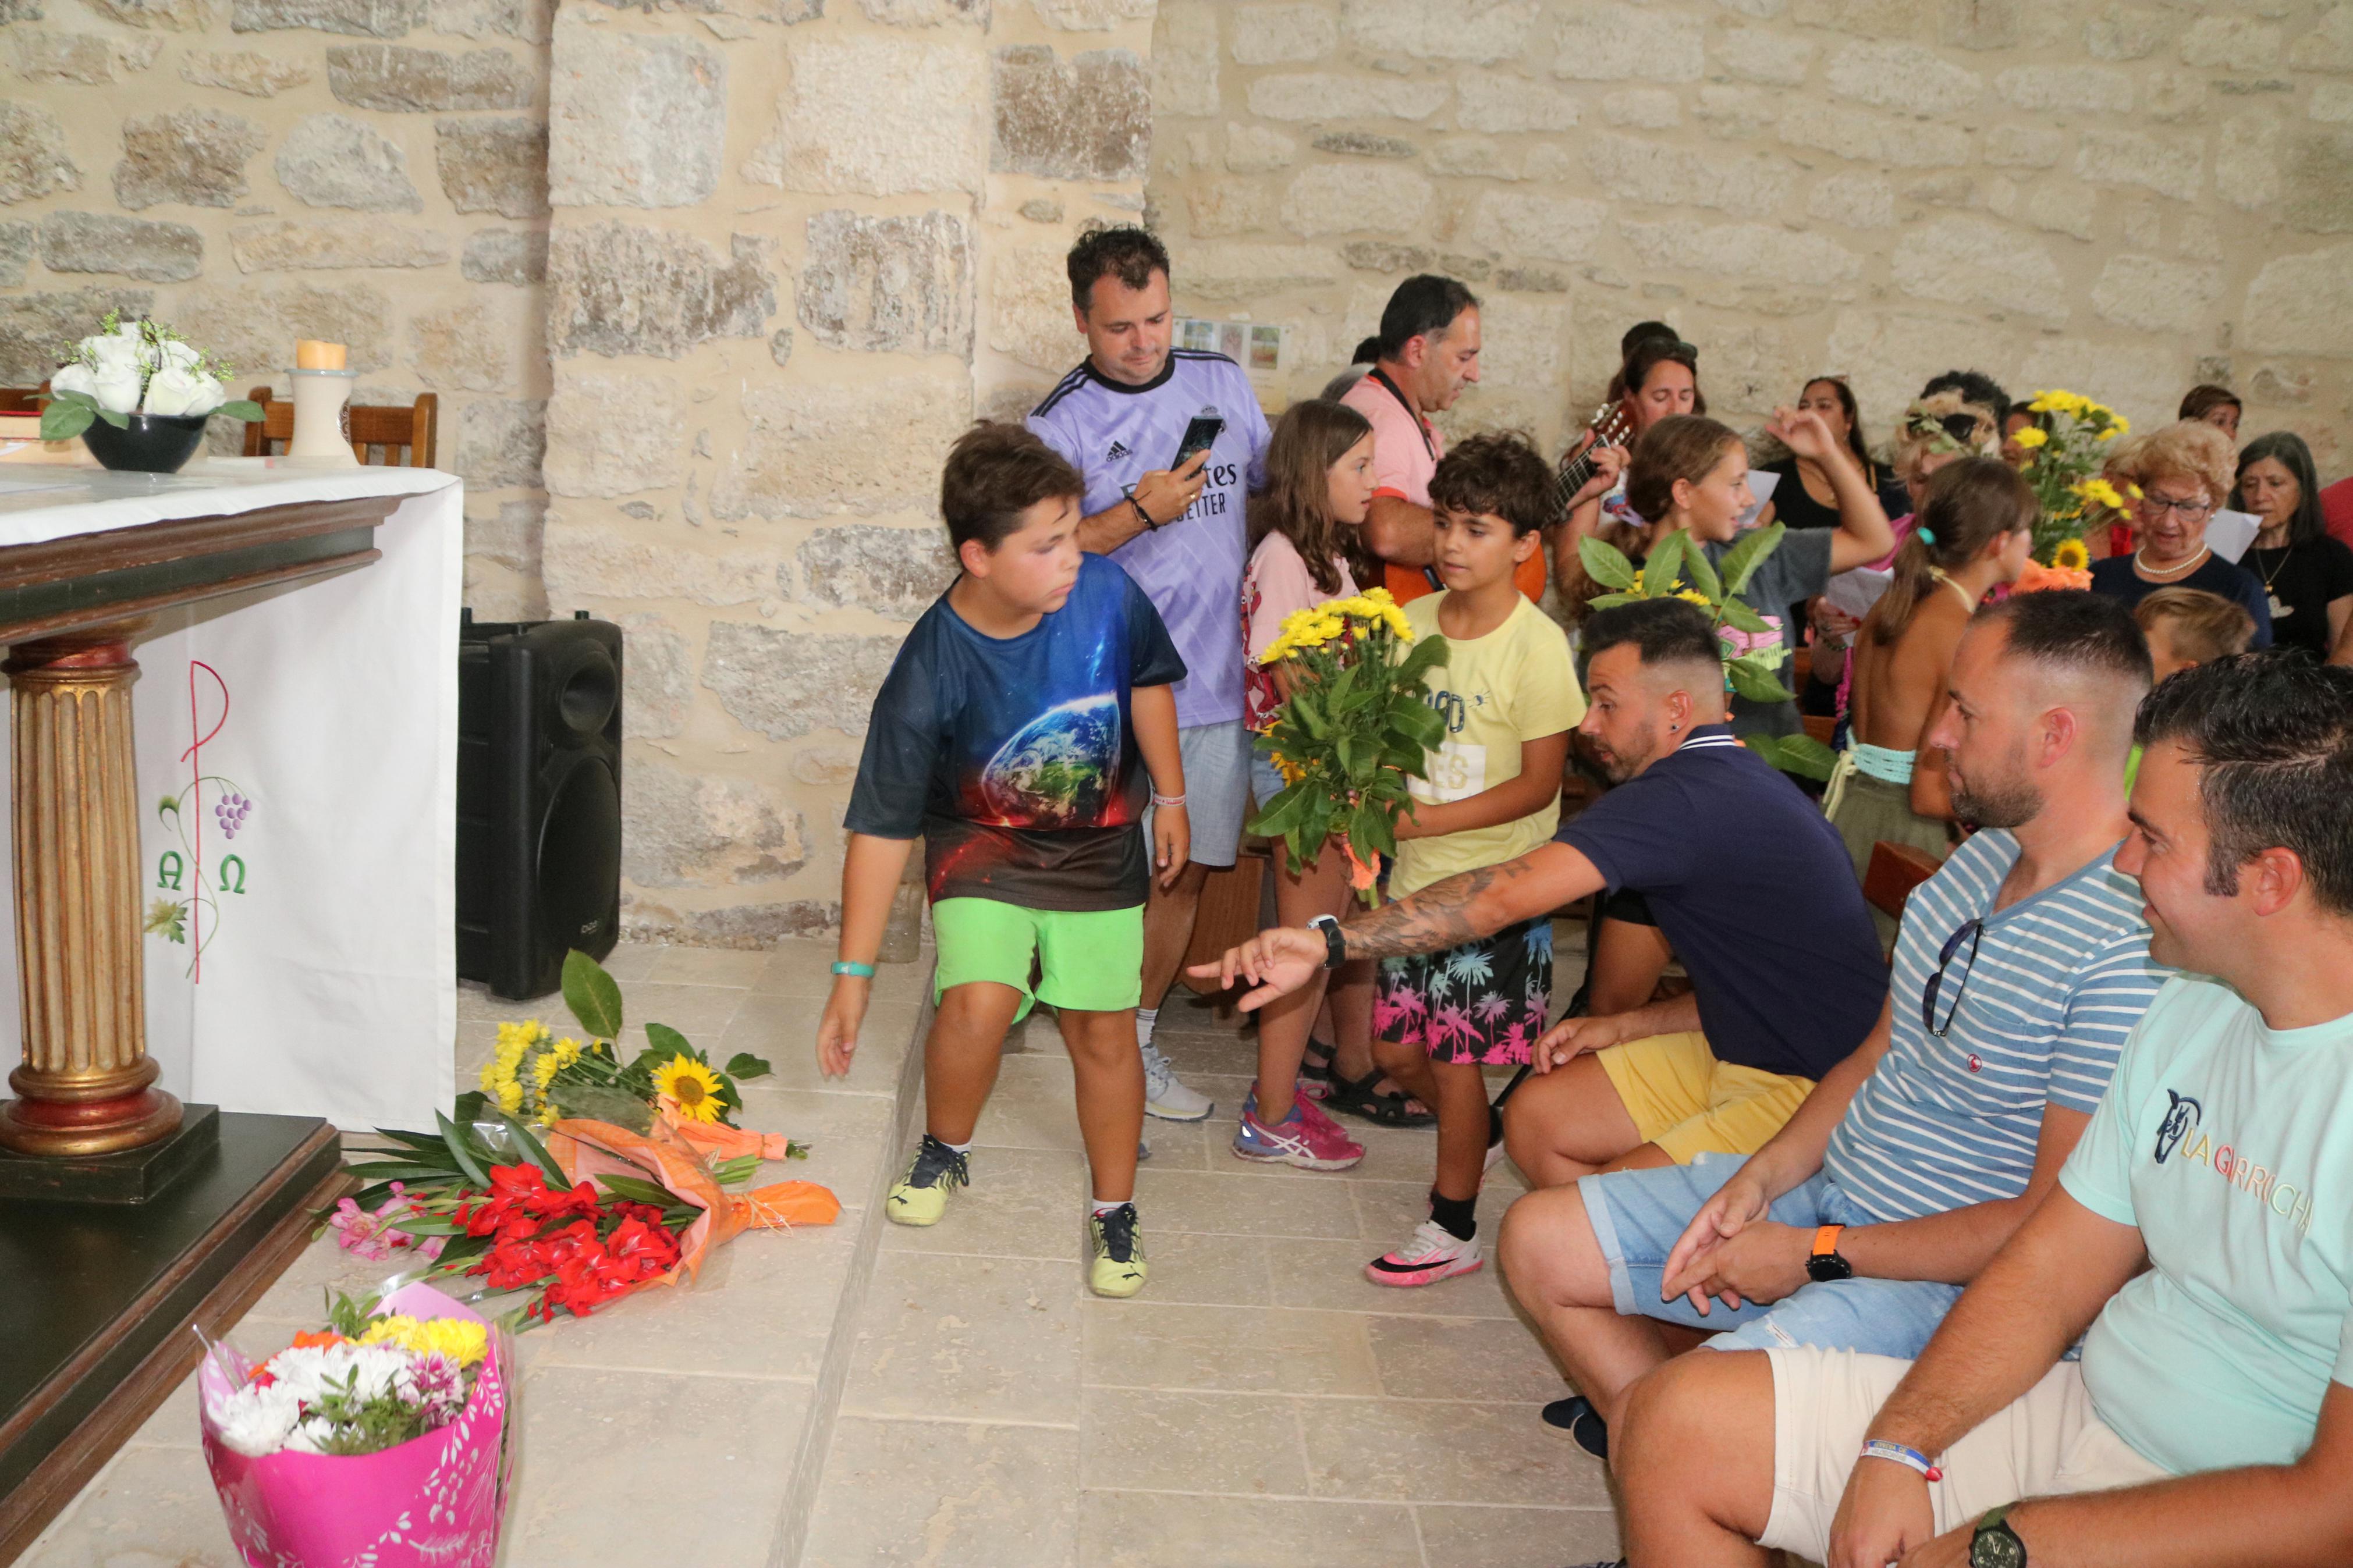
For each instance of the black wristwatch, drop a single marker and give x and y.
(1995, 1544)
(1335, 946)
(1823, 1264)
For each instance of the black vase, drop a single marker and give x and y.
(153, 443)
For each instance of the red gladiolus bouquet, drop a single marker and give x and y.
(582, 1252)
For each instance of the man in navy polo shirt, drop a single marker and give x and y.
(1720, 842)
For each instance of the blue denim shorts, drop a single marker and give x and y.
(1639, 1215)
(1266, 779)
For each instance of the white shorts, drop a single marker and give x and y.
(1217, 790)
(2046, 1443)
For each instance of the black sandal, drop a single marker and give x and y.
(1315, 1067)
(1355, 1097)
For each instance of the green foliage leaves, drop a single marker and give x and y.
(1799, 754)
(593, 995)
(1605, 563)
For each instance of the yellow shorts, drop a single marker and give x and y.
(1687, 1102)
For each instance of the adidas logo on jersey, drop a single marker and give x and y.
(1118, 450)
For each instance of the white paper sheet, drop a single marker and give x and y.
(2229, 533)
(329, 983)
(1857, 591)
(1760, 486)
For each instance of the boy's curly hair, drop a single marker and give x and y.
(1499, 474)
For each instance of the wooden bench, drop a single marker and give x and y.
(1895, 869)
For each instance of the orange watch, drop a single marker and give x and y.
(1824, 1263)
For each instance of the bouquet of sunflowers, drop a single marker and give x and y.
(1354, 726)
(540, 1077)
(2064, 449)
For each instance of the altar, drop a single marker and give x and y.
(296, 791)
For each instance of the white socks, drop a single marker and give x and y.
(1098, 1207)
(1145, 1018)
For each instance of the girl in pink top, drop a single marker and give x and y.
(1306, 548)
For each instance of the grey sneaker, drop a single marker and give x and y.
(1164, 1097)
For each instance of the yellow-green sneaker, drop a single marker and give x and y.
(1119, 1268)
(921, 1197)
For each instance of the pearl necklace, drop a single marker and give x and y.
(2140, 558)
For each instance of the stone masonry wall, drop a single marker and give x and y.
(797, 244)
(372, 172)
(2120, 198)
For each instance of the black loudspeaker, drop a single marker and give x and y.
(539, 798)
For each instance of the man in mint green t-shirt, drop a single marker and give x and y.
(2211, 1417)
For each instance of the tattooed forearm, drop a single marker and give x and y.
(1445, 914)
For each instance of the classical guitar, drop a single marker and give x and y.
(1611, 428)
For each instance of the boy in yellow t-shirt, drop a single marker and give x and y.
(1509, 695)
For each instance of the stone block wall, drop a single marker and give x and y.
(372, 172)
(2121, 198)
(798, 246)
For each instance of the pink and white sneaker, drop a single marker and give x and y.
(1432, 1254)
(1307, 1138)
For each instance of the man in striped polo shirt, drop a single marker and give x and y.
(2020, 970)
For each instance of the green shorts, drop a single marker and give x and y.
(1089, 960)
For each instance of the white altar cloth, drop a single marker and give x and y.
(326, 983)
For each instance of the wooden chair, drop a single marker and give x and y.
(387, 430)
(1895, 869)
(22, 399)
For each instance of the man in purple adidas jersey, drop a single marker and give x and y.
(1178, 528)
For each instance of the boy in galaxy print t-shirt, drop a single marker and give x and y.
(1015, 733)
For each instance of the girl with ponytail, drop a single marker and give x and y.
(1975, 532)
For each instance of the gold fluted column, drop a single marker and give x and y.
(86, 1085)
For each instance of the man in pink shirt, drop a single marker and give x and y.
(1427, 351)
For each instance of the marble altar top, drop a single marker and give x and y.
(39, 502)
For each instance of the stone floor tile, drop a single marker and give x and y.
(979, 1338)
(1457, 1536)
(1243, 1444)
(1022, 1203)
(1033, 1106)
(1417, 1451)
(1168, 1530)
(1330, 1275)
(848, 1135)
(1223, 1054)
(1248, 1350)
(763, 1308)
(149, 1506)
(1230, 1270)
(632, 1466)
(700, 1012)
(1243, 1202)
(782, 1030)
(946, 1492)
(714, 966)
(1461, 1358)
(633, 961)
(299, 1297)
(1181, 1146)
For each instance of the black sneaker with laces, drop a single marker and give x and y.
(921, 1197)
(1118, 1270)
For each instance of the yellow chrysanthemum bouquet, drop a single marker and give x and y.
(534, 1076)
(2065, 449)
(1355, 726)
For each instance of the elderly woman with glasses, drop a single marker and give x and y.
(2179, 477)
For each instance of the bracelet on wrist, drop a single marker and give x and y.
(1911, 1459)
(858, 971)
(1159, 799)
(1143, 516)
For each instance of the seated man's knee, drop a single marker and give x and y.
(1683, 1414)
(1548, 1251)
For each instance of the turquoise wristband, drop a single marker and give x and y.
(862, 970)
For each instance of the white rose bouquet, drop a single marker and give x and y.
(136, 367)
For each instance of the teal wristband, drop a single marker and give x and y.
(862, 970)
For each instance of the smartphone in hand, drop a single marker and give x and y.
(1199, 437)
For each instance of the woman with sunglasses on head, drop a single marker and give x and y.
(2182, 473)
(2308, 576)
